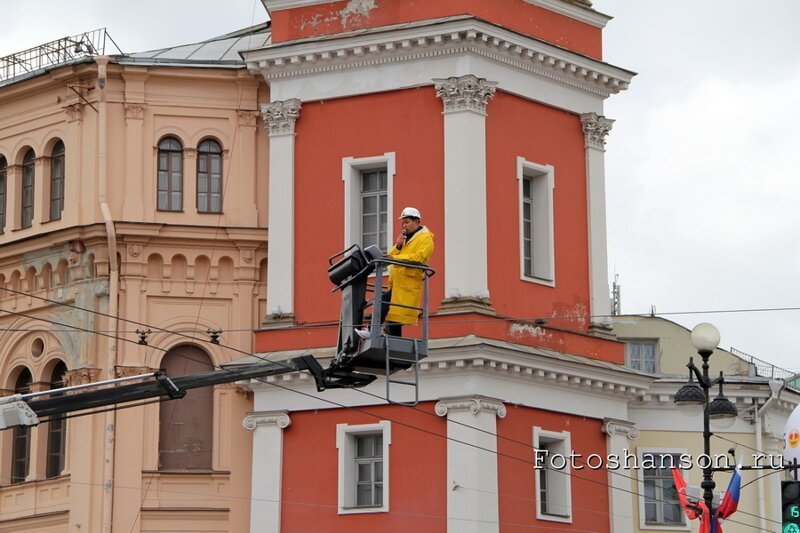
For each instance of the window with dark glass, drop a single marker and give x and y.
(209, 177)
(170, 175)
(56, 429)
(3, 175)
(57, 181)
(527, 225)
(21, 438)
(185, 426)
(374, 202)
(369, 470)
(661, 504)
(28, 173)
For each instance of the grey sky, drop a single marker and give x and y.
(702, 163)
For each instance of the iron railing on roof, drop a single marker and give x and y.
(58, 52)
(768, 370)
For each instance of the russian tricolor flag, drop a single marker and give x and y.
(730, 502)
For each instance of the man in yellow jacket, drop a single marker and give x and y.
(415, 245)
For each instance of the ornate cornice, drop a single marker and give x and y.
(465, 93)
(595, 129)
(612, 427)
(473, 404)
(280, 117)
(307, 57)
(267, 418)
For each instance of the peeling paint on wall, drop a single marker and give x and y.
(356, 8)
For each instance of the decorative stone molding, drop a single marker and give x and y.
(247, 118)
(190, 153)
(128, 371)
(595, 129)
(465, 93)
(74, 112)
(135, 249)
(280, 117)
(466, 304)
(134, 111)
(276, 418)
(436, 40)
(473, 404)
(80, 376)
(613, 427)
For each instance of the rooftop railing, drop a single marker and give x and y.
(768, 370)
(59, 52)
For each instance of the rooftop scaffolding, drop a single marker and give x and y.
(55, 53)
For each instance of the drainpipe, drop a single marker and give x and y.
(113, 295)
(775, 386)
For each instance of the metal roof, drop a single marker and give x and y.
(218, 51)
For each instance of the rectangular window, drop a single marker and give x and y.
(57, 187)
(368, 183)
(27, 195)
(553, 487)
(661, 505)
(20, 457)
(642, 355)
(363, 467)
(374, 203)
(537, 258)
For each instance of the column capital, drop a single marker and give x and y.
(280, 117)
(81, 376)
(130, 371)
(465, 93)
(74, 112)
(612, 426)
(595, 129)
(267, 418)
(474, 404)
(246, 117)
(134, 111)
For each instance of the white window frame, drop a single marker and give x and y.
(640, 453)
(657, 353)
(564, 440)
(345, 443)
(351, 176)
(543, 183)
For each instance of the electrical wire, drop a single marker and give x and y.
(438, 435)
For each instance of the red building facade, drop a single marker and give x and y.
(486, 116)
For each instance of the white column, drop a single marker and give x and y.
(465, 262)
(618, 433)
(595, 129)
(279, 119)
(265, 509)
(472, 501)
(773, 448)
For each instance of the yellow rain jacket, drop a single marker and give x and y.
(406, 282)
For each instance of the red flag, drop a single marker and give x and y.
(680, 487)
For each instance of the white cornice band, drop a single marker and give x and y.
(439, 39)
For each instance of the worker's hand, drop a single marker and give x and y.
(401, 240)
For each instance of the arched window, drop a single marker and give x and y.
(170, 175)
(57, 181)
(56, 428)
(185, 426)
(28, 173)
(3, 173)
(209, 177)
(21, 440)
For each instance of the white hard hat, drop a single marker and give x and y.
(410, 212)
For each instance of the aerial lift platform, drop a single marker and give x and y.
(364, 352)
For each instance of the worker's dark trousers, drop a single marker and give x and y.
(391, 328)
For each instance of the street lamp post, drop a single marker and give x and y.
(694, 397)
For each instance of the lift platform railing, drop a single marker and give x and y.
(364, 348)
